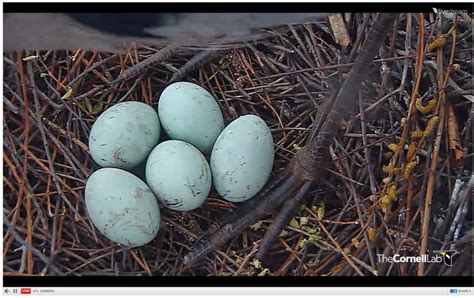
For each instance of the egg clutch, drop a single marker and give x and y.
(236, 159)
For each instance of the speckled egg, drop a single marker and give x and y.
(242, 158)
(122, 207)
(179, 175)
(189, 113)
(123, 135)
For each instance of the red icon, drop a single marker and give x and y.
(25, 290)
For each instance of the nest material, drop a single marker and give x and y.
(369, 198)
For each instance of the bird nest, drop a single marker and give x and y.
(397, 180)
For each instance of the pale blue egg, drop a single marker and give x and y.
(122, 207)
(242, 158)
(123, 135)
(179, 175)
(191, 114)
